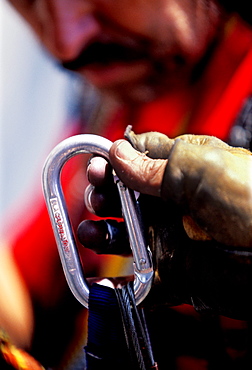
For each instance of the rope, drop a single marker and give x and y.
(135, 329)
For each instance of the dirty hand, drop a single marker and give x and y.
(208, 180)
(195, 195)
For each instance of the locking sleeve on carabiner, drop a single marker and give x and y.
(64, 235)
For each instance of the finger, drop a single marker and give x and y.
(103, 202)
(99, 172)
(104, 237)
(136, 170)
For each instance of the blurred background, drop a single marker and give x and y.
(36, 99)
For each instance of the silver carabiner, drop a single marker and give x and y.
(64, 235)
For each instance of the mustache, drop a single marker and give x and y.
(104, 54)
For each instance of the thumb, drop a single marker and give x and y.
(136, 170)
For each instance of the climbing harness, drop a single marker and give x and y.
(125, 299)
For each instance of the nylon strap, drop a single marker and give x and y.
(117, 333)
(106, 347)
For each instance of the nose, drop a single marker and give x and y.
(73, 25)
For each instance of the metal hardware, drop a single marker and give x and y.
(64, 235)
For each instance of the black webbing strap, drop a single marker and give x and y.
(117, 333)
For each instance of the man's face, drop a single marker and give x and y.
(135, 49)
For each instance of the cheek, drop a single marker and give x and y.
(136, 16)
(188, 28)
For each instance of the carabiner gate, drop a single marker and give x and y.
(64, 235)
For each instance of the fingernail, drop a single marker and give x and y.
(125, 151)
(88, 198)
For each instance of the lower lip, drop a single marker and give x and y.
(117, 73)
